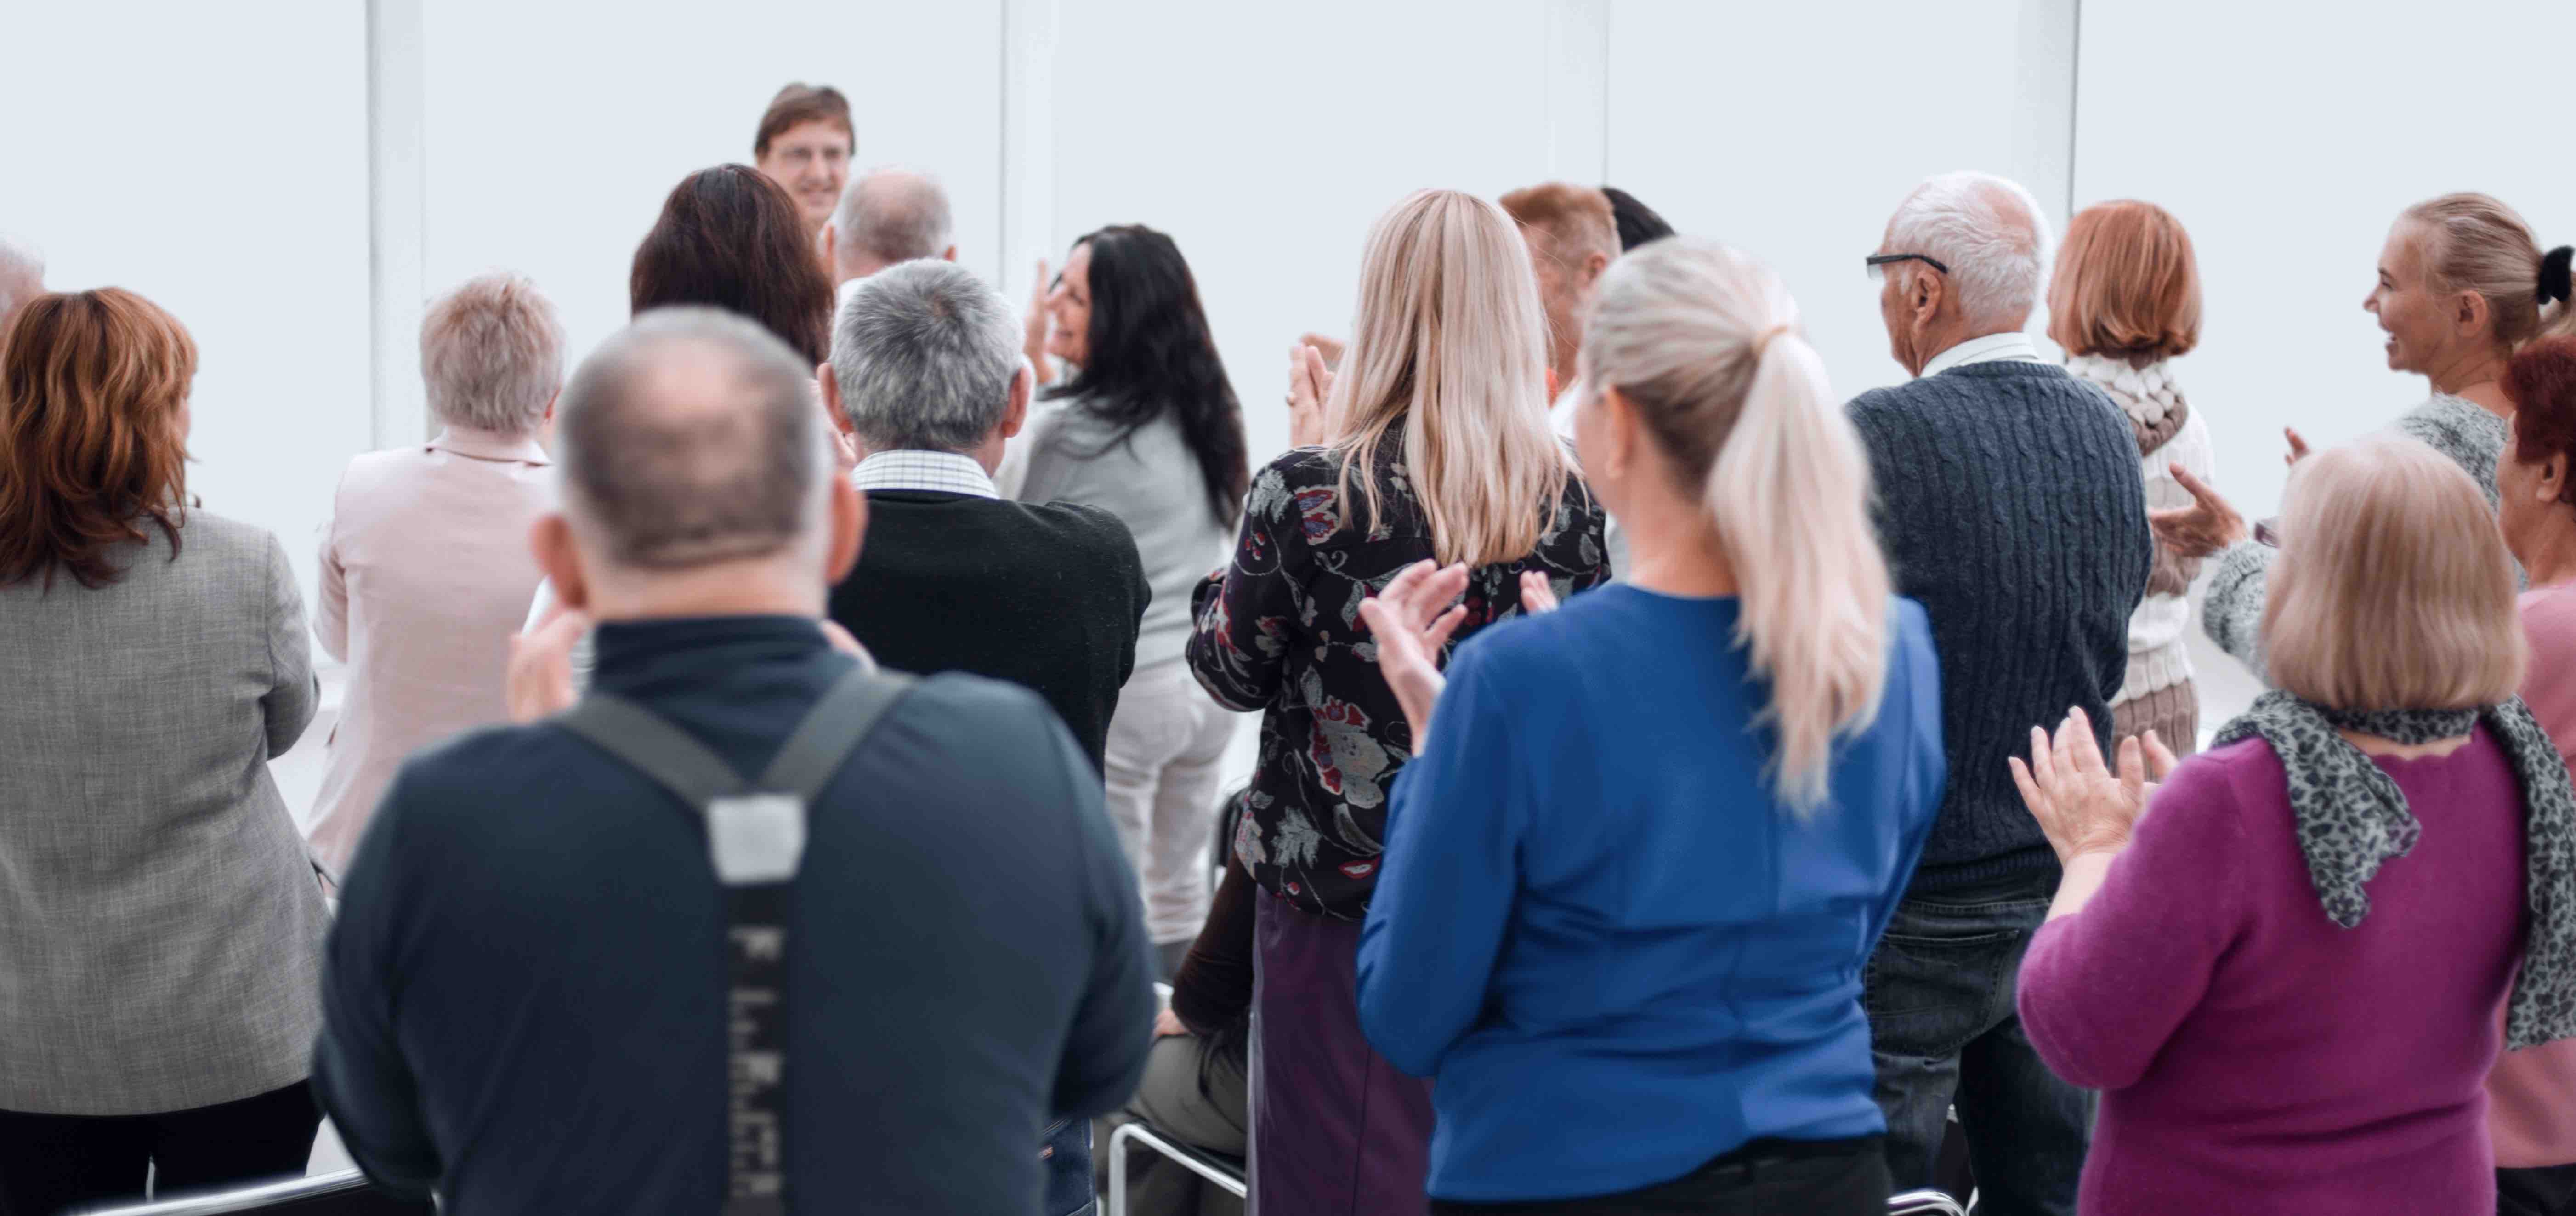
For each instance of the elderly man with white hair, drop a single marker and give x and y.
(754, 925)
(2012, 509)
(22, 278)
(888, 215)
(425, 563)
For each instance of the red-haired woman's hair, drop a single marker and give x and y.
(2127, 286)
(91, 385)
(2541, 382)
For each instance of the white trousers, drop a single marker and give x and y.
(1165, 750)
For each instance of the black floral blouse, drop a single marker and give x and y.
(1278, 630)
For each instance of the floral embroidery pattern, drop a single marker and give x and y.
(1278, 631)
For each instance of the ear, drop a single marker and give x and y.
(849, 530)
(2470, 313)
(550, 541)
(949, 254)
(2551, 485)
(830, 383)
(1594, 265)
(1017, 415)
(551, 403)
(1924, 291)
(828, 243)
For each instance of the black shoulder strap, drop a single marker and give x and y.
(755, 840)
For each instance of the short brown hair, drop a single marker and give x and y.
(803, 103)
(2127, 286)
(90, 386)
(1579, 217)
(2541, 382)
(2393, 589)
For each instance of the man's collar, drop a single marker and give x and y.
(2015, 346)
(912, 469)
(476, 444)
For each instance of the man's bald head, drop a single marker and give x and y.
(692, 437)
(1990, 234)
(889, 215)
(22, 278)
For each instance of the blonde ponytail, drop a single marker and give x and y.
(1704, 343)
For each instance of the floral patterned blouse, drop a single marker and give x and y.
(1278, 630)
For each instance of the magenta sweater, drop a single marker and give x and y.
(2253, 1057)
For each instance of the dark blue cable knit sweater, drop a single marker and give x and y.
(2011, 507)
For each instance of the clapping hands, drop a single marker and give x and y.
(2080, 803)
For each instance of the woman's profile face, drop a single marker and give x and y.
(1069, 305)
(2414, 318)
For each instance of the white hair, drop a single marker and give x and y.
(22, 276)
(894, 215)
(491, 353)
(1988, 231)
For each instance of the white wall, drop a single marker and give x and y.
(1792, 131)
(213, 158)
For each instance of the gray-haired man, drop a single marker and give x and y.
(928, 378)
(887, 216)
(708, 934)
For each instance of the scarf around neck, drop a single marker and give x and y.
(2147, 395)
(2352, 817)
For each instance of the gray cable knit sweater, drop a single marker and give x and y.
(2012, 509)
(2233, 612)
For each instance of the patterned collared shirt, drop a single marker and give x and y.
(912, 469)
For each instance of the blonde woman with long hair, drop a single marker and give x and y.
(1432, 444)
(1648, 846)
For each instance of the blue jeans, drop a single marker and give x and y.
(1939, 991)
(1068, 1168)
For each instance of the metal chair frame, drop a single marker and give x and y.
(247, 1199)
(1924, 1203)
(1196, 1162)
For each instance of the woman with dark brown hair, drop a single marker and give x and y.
(160, 923)
(729, 237)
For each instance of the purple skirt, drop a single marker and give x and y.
(1336, 1130)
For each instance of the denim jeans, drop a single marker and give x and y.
(1939, 992)
(1068, 1168)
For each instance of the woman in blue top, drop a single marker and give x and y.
(1631, 880)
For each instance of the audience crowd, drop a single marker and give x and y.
(784, 746)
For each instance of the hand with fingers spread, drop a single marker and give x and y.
(2082, 805)
(1537, 594)
(1411, 619)
(1309, 383)
(1033, 339)
(2298, 446)
(2205, 527)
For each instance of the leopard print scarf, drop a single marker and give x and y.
(2352, 817)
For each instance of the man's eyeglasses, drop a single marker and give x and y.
(1878, 263)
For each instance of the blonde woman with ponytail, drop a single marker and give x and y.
(1432, 444)
(1633, 877)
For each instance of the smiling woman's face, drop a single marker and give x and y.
(2416, 319)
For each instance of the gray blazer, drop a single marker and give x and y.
(160, 926)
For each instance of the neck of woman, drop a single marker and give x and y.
(2552, 559)
(2473, 377)
(2377, 745)
(1674, 549)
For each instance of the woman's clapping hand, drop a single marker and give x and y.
(2080, 803)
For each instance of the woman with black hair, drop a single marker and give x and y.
(1148, 429)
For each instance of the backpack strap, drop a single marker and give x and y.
(755, 842)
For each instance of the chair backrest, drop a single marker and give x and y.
(342, 1194)
(1924, 1203)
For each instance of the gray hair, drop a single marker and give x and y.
(1988, 231)
(22, 276)
(924, 353)
(893, 215)
(492, 354)
(691, 437)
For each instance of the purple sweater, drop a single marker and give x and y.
(2255, 1058)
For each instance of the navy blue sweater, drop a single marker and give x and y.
(2012, 509)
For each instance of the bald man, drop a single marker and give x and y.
(711, 932)
(887, 216)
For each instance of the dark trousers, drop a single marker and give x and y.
(2546, 1190)
(1764, 1178)
(1336, 1130)
(49, 1163)
(1943, 1030)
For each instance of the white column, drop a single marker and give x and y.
(1028, 144)
(395, 174)
(1577, 47)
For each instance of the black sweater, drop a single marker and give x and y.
(2012, 509)
(1045, 595)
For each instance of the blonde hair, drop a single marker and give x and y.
(2393, 590)
(491, 352)
(1449, 343)
(2126, 285)
(1704, 343)
(2473, 242)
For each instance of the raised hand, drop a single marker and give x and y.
(1411, 619)
(1537, 594)
(2203, 528)
(1310, 381)
(2081, 804)
(2298, 446)
(538, 683)
(1033, 338)
(1329, 347)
